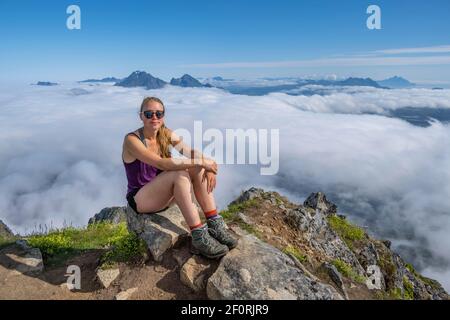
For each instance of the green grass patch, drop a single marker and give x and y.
(432, 283)
(346, 230)
(229, 214)
(250, 229)
(346, 270)
(296, 253)
(395, 294)
(56, 246)
(126, 249)
(408, 289)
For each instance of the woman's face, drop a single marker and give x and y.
(153, 122)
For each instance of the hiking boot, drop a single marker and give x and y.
(203, 243)
(218, 230)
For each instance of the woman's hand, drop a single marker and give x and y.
(209, 165)
(210, 180)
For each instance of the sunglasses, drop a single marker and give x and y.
(149, 114)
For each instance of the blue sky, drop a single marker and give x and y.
(231, 38)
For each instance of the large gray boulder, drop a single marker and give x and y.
(257, 270)
(161, 231)
(313, 226)
(113, 214)
(249, 194)
(319, 201)
(22, 259)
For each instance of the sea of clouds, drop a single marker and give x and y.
(61, 156)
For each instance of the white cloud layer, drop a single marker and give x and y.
(357, 100)
(61, 156)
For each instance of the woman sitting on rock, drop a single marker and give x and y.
(155, 180)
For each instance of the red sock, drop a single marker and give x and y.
(211, 214)
(197, 226)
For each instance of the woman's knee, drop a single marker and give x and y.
(196, 172)
(181, 177)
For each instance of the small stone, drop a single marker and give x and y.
(159, 269)
(245, 275)
(125, 295)
(280, 295)
(106, 277)
(245, 218)
(277, 238)
(236, 229)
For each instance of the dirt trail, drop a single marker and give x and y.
(155, 281)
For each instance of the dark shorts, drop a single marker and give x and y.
(132, 203)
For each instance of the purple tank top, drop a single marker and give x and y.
(139, 173)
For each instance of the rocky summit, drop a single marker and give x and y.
(292, 251)
(285, 251)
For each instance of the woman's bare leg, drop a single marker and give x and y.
(215, 222)
(205, 200)
(163, 189)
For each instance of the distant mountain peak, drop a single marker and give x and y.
(187, 80)
(141, 79)
(396, 82)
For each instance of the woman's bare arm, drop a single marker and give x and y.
(135, 147)
(184, 149)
